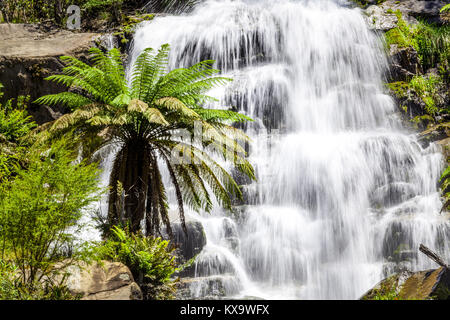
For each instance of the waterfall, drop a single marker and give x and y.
(344, 195)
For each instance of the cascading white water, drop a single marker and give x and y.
(344, 195)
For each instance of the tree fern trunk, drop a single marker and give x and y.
(131, 169)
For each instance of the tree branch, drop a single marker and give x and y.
(433, 256)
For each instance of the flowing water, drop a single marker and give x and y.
(344, 195)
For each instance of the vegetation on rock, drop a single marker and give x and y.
(427, 93)
(151, 261)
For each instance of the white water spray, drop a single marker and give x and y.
(344, 195)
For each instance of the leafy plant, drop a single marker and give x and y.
(426, 88)
(104, 6)
(444, 183)
(15, 124)
(151, 261)
(12, 288)
(148, 118)
(40, 210)
(433, 45)
(432, 42)
(401, 35)
(445, 8)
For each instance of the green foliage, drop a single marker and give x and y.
(364, 3)
(94, 5)
(146, 116)
(389, 295)
(399, 88)
(444, 183)
(432, 42)
(151, 261)
(385, 291)
(40, 210)
(12, 288)
(426, 88)
(446, 8)
(129, 24)
(28, 11)
(8, 282)
(433, 45)
(15, 124)
(402, 35)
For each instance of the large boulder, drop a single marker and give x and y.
(103, 281)
(407, 285)
(29, 53)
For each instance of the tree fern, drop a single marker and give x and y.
(143, 117)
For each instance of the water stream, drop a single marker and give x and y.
(344, 194)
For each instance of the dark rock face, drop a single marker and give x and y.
(404, 63)
(392, 194)
(192, 243)
(422, 285)
(189, 244)
(29, 54)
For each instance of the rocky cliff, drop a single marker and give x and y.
(29, 54)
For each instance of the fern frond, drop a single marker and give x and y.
(155, 116)
(174, 104)
(217, 115)
(69, 99)
(137, 105)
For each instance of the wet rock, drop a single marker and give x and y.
(213, 287)
(439, 132)
(396, 239)
(404, 63)
(421, 285)
(392, 194)
(212, 262)
(445, 145)
(231, 237)
(190, 244)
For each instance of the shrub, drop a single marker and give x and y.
(12, 288)
(426, 88)
(432, 42)
(150, 259)
(15, 123)
(40, 209)
(444, 184)
(433, 45)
